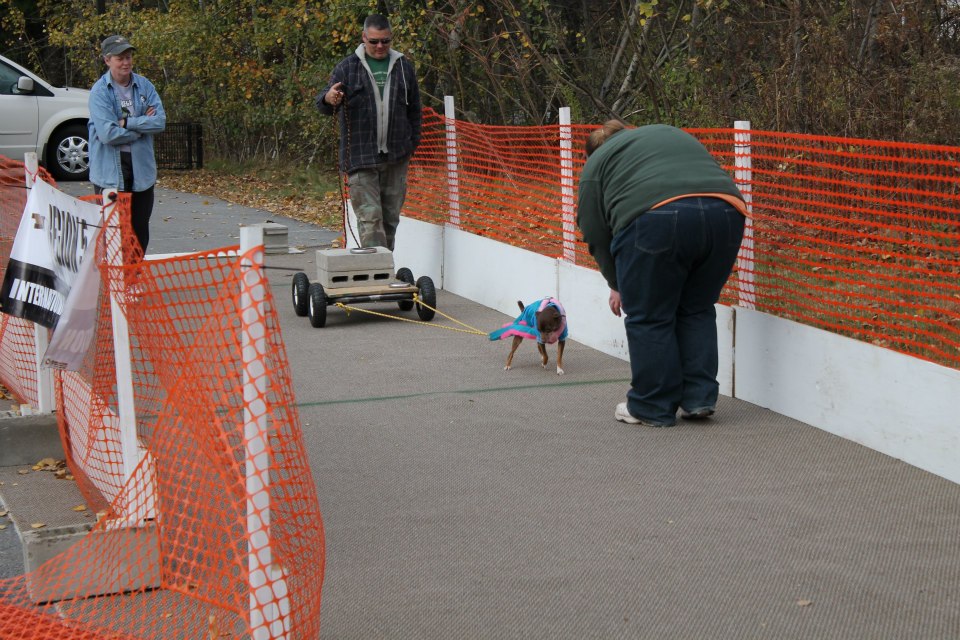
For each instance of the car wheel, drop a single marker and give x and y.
(68, 153)
(405, 275)
(299, 291)
(428, 293)
(317, 306)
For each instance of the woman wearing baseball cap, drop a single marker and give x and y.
(125, 114)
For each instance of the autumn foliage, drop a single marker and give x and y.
(248, 70)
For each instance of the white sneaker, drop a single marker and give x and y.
(623, 415)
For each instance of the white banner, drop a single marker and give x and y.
(55, 231)
(78, 322)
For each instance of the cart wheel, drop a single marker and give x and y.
(405, 275)
(428, 293)
(298, 290)
(317, 309)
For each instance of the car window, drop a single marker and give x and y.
(8, 80)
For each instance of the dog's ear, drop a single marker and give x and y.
(520, 304)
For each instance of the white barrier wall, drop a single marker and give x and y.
(893, 403)
(419, 247)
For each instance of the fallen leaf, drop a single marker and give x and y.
(80, 507)
(2, 527)
(23, 472)
(47, 462)
(3, 513)
(804, 603)
(38, 525)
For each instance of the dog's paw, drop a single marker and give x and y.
(559, 371)
(506, 368)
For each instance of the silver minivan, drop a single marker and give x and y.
(52, 121)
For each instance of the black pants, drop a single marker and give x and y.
(141, 203)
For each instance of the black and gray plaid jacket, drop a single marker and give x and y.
(372, 130)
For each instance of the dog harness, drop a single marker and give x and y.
(525, 325)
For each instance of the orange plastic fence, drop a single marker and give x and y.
(858, 237)
(214, 530)
(17, 341)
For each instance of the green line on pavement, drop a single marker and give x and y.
(555, 385)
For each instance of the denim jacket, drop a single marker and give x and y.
(106, 134)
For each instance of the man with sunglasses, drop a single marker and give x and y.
(374, 92)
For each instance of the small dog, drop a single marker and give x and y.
(544, 321)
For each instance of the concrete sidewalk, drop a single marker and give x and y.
(464, 501)
(191, 222)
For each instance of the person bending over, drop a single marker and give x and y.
(664, 223)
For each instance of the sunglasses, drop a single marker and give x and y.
(376, 41)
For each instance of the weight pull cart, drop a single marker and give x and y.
(350, 276)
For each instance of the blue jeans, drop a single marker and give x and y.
(141, 203)
(672, 263)
(377, 195)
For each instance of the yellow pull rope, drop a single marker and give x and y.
(417, 300)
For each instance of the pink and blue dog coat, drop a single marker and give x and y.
(525, 325)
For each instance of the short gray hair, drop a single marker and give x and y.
(378, 22)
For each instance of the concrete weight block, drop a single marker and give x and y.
(26, 439)
(275, 237)
(75, 561)
(369, 259)
(339, 279)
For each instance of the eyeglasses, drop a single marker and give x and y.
(376, 41)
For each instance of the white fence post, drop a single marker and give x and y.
(130, 451)
(744, 178)
(453, 179)
(269, 602)
(566, 186)
(46, 402)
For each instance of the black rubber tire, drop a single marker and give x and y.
(405, 275)
(428, 293)
(299, 290)
(317, 307)
(68, 153)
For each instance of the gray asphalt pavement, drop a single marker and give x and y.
(463, 501)
(11, 555)
(190, 222)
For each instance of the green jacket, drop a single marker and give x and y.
(634, 170)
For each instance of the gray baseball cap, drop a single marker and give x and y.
(114, 46)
